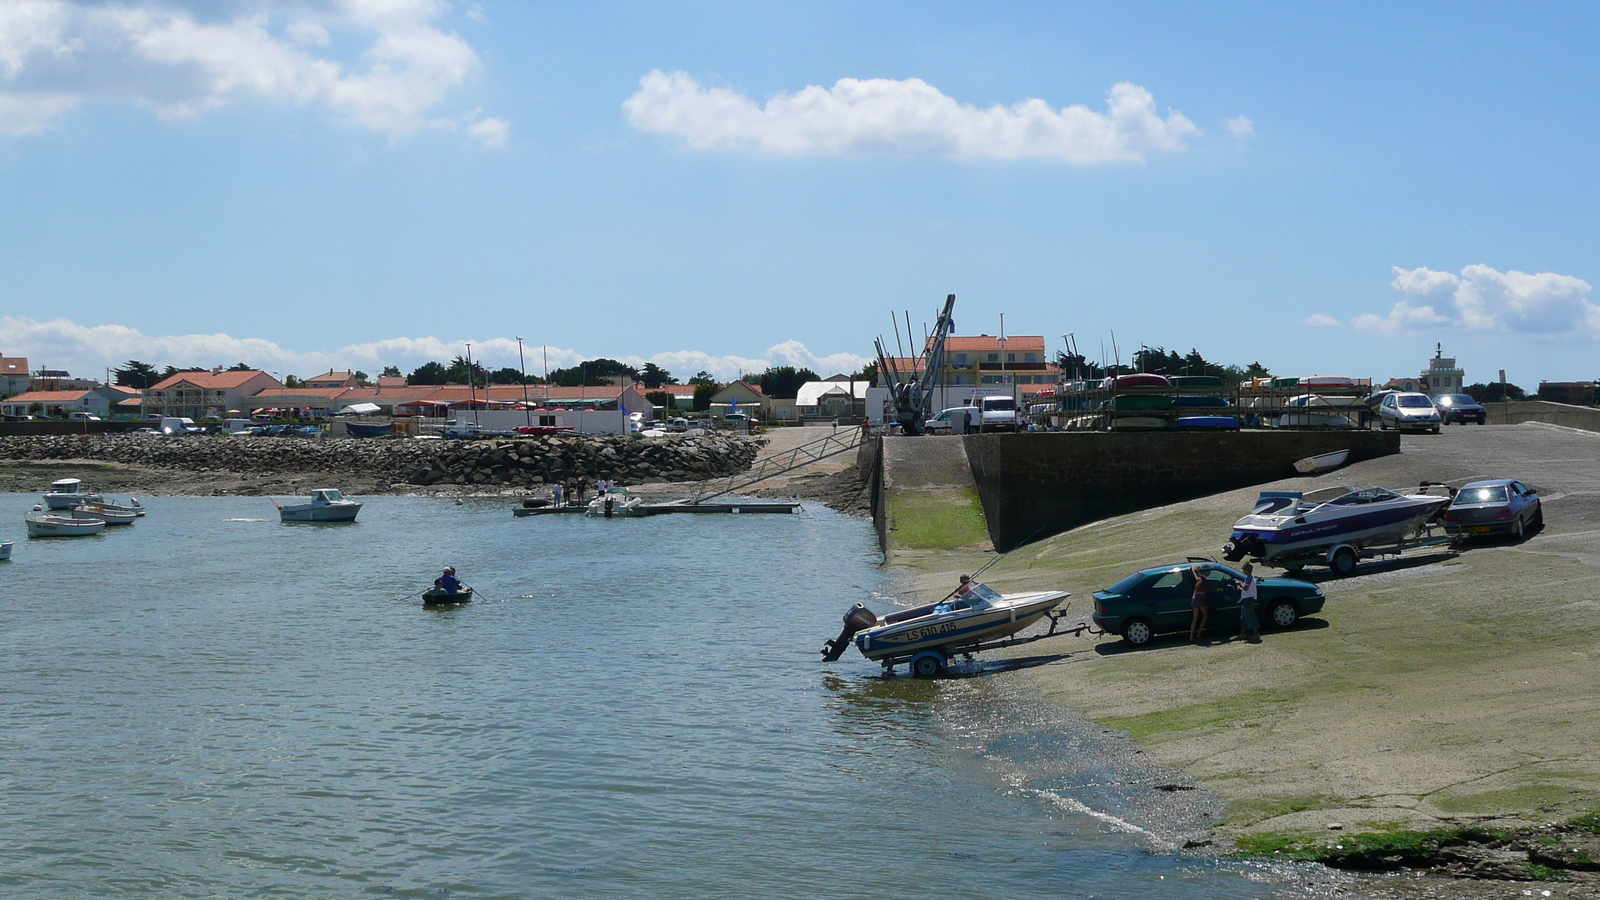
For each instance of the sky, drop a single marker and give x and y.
(313, 184)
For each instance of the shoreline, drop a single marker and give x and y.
(1425, 697)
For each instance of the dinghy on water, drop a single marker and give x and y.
(48, 524)
(5, 549)
(441, 597)
(110, 514)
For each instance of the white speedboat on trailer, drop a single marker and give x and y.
(1289, 528)
(976, 618)
(43, 523)
(65, 493)
(326, 505)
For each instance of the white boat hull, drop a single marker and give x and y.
(5, 549)
(954, 630)
(333, 512)
(68, 501)
(1314, 464)
(110, 515)
(61, 526)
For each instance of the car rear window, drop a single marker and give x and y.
(1126, 584)
(1495, 493)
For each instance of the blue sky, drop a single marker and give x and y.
(357, 182)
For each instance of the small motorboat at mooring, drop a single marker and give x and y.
(66, 493)
(110, 514)
(5, 549)
(440, 597)
(47, 524)
(972, 619)
(327, 505)
(615, 505)
(132, 506)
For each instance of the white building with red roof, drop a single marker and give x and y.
(206, 395)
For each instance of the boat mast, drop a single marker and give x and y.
(522, 366)
(472, 389)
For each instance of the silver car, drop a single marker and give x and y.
(1408, 412)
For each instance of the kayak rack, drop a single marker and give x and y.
(932, 661)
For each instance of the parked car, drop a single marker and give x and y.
(1501, 506)
(1404, 411)
(1460, 408)
(83, 417)
(1157, 601)
(999, 413)
(945, 422)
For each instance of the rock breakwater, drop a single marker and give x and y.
(522, 462)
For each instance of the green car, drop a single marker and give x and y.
(1157, 601)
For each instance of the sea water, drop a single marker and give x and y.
(210, 703)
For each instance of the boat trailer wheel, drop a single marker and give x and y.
(927, 664)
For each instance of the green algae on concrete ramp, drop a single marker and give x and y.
(1432, 691)
(932, 519)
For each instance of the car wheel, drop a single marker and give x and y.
(1517, 529)
(1137, 632)
(1435, 429)
(1343, 562)
(1284, 614)
(1538, 516)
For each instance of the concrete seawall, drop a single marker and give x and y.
(1035, 485)
(1517, 412)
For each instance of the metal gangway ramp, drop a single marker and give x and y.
(842, 441)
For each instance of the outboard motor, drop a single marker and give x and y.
(608, 503)
(855, 619)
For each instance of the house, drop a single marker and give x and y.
(1442, 376)
(301, 401)
(739, 397)
(331, 379)
(48, 403)
(982, 359)
(206, 395)
(14, 378)
(833, 399)
(390, 381)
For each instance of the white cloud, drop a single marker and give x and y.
(89, 350)
(909, 117)
(1482, 298)
(1318, 320)
(181, 62)
(1241, 127)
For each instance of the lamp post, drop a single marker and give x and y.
(523, 368)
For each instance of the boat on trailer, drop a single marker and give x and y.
(1333, 526)
(975, 618)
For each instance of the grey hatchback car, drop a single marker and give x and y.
(1501, 506)
(1156, 601)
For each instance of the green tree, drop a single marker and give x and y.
(867, 373)
(292, 381)
(505, 375)
(170, 371)
(661, 399)
(783, 382)
(136, 374)
(460, 372)
(654, 376)
(592, 372)
(428, 373)
(391, 372)
(362, 379)
(241, 367)
(702, 396)
(1495, 392)
(703, 377)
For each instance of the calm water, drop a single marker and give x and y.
(212, 704)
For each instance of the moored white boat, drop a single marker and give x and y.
(326, 505)
(110, 514)
(1314, 464)
(47, 524)
(65, 493)
(611, 505)
(5, 549)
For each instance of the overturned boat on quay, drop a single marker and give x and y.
(975, 618)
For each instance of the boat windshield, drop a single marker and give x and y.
(978, 591)
(1366, 495)
(329, 495)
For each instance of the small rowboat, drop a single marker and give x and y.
(1311, 465)
(441, 597)
(5, 549)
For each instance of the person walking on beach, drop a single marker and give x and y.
(1200, 603)
(1249, 625)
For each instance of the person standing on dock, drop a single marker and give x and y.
(556, 498)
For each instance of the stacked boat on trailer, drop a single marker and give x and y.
(1337, 526)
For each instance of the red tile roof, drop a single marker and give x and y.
(13, 365)
(1016, 343)
(211, 380)
(47, 397)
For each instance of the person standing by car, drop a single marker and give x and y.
(1249, 591)
(1200, 604)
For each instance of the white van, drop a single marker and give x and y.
(950, 421)
(179, 425)
(999, 413)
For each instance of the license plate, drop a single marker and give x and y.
(1479, 529)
